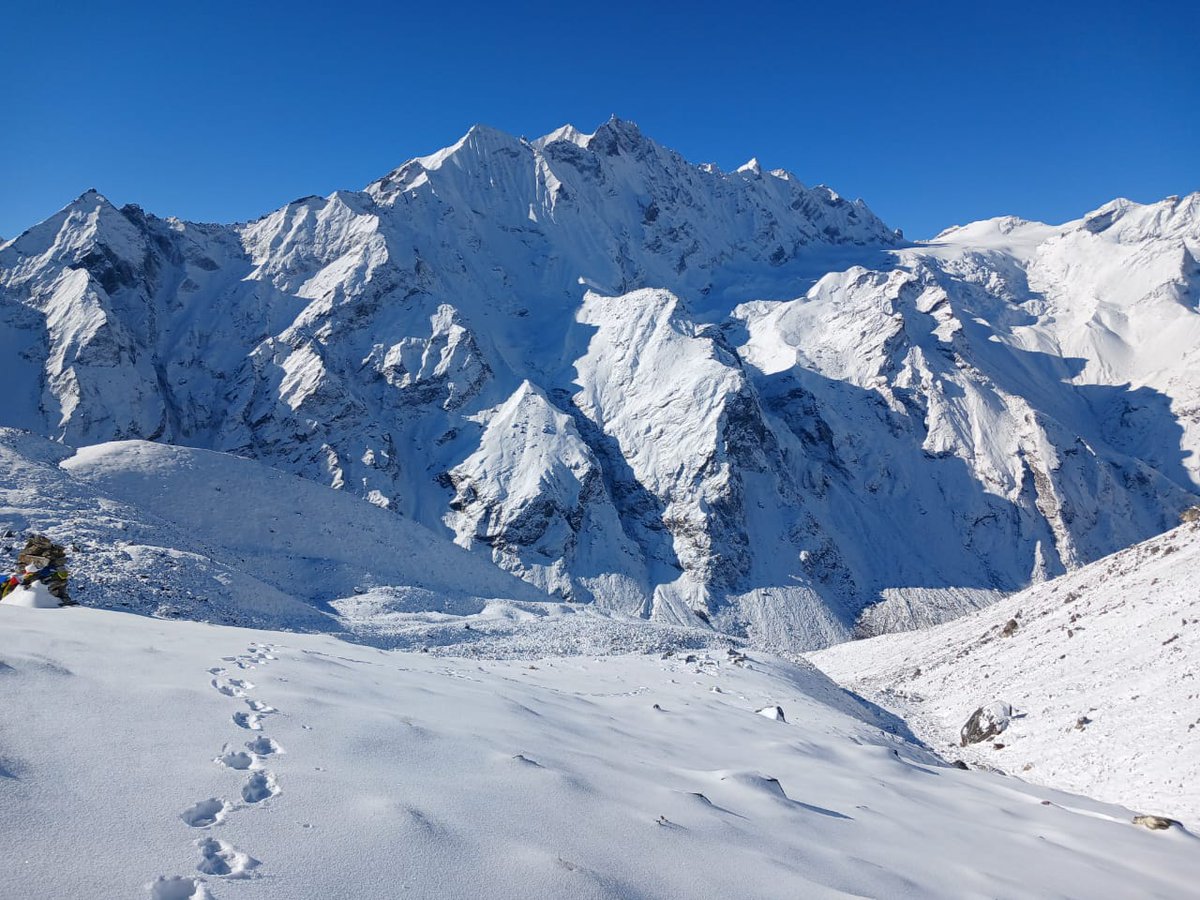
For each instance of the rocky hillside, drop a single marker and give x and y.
(1091, 679)
(704, 397)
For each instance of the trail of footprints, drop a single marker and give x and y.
(219, 858)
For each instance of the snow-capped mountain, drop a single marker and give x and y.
(697, 396)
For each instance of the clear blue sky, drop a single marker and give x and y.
(934, 113)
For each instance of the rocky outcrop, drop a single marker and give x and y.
(985, 723)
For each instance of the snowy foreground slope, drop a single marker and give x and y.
(694, 396)
(1102, 673)
(140, 757)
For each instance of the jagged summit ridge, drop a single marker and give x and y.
(706, 397)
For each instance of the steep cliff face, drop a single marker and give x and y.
(670, 390)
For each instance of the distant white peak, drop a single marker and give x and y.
(710, 168)
(568, 133)
(1172, 217)
(313, 201)
(751, 167)
(1116, 205)
(89, 200)
(480, 140)
(1000, 225)
(1009, 224)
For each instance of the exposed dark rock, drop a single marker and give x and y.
(986, 722)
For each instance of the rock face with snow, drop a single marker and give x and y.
(703, 397)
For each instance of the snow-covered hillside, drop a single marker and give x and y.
(1101, 668)
(175, 532)
(703, 397)
(204, 761)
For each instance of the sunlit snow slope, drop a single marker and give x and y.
(1103, 673)
(205, 761)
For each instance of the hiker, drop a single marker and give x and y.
(43, 561)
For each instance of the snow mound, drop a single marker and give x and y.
(35, 596)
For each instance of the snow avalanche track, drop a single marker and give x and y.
(140, 757)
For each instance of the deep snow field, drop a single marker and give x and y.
(142, 757)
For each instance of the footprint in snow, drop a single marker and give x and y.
(222, 859)
(178, 887)
(264, 746)
(216, 670)
(204, 813)
(263, 709)
(248, 720)
(236, 759)
(231, 687)
(259, 787)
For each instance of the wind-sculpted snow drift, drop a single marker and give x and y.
(697, 396)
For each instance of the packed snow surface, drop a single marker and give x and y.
(141, 757)
(1101, 668)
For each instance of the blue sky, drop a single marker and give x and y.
(934, 113)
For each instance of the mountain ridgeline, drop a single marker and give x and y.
(707, 398)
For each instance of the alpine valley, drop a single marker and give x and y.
(705, 398)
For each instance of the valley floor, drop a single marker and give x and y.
(170, 759)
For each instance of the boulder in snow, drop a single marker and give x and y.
(986, 722)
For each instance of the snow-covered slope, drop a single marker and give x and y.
(212, 762)
(1102, 672)
(698, 396)
(176, 532)
(179, 532)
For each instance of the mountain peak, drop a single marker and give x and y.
(568, 133)
(618, 135)
(89, 199)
